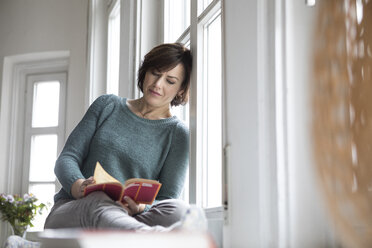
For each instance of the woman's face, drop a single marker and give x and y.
(160, 88)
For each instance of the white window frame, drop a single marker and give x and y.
(204, 107)
(97, 50)
(196, 98)
(15, 72)
(195, 35)
(130, 23)
(58, 130)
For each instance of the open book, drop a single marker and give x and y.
(139, 189)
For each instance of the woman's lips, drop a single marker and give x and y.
(154, 93)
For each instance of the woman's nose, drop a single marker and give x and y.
(158, 82)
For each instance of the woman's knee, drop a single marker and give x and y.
(174, 207)
(78, 213)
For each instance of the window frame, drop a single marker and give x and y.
(195, 35)
(15, 72)
(196, 98)
(29, 131)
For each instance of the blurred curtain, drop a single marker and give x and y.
(342, 116)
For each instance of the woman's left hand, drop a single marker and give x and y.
(131, 206)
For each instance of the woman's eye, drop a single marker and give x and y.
(155, 74)
(170, 82)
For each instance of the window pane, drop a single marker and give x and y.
(176, 19)
(213, 110)
(42, 158)
(113, 51)
(182, 112)
(44, 193)
(203, 4)
(45, 104)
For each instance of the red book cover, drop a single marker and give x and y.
(139, 189)
(142, 190)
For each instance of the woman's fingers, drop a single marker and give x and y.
(130, 201)
(91, 179)
(88, 181)
(126, 207)
(84, 184)
(132, 205)
(78, 187)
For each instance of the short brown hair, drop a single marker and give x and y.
(164, 58)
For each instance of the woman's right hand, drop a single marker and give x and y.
(77, 188)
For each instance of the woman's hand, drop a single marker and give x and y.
(77, 188)
(131, 206)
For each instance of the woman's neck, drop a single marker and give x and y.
(144, 110)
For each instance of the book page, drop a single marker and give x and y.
(140, 180)
(101, 176)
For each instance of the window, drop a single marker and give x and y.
(44, 132)
(183, 113)
(203, 4)
(212, 113)
(113, 48)
(206, 160)
(176, 19)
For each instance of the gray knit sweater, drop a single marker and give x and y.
(127, 146)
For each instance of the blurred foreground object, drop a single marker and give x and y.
(78, 238)
(342, 121)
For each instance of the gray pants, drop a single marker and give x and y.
(97, 210)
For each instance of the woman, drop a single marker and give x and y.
(131, 139)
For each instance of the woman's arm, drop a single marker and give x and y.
(172, 175)
(69, 162)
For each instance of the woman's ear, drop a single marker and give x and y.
(180, 93)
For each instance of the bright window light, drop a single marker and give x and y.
(113, 58)
(43, 156)
(183, 113)
(45, 104)
(212, 112)
(203, 5)
(44, 193)
(176, 18)
(42, 134)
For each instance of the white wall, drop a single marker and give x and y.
(128, 26)
(97, 49)
(308, 223)
(241, 93)
(47, 25)
(151, 18)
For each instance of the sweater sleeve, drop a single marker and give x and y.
(69, 162)
(173, 172)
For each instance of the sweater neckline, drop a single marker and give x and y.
(161, 121)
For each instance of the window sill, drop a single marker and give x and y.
(215, 213)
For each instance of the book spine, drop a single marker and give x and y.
(139, 189)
